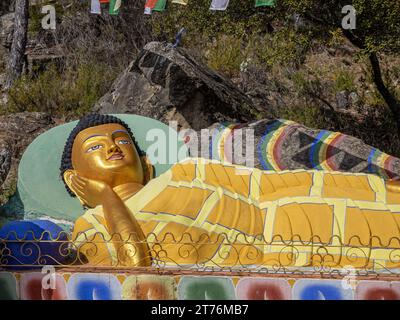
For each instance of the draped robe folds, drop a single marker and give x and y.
(208, 213)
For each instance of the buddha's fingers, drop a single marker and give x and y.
(77, 186)
(80, 193)
(79, 180)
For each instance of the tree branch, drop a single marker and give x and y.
(389, 98)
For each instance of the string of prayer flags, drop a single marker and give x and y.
(160, 5)
(265, 3)
(219, 5)
(95, 7)
(183, 2)
(115, 5)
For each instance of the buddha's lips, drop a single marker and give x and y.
(116, 156)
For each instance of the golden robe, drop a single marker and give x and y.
(212, 214)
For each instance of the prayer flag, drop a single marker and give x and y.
(149, 6)
(184, 2)
(115, 5)
(265, 3)
(151, 3)
(220, 5)
(95, 7)
(160, 5)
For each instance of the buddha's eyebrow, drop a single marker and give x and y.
(117, 131)
(94, 135)
(103, 135)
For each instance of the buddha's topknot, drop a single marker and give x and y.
(88, 121)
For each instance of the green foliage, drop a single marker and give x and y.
(311, 87)
(239, 19)
(395, 79)
(377, 26)
(311, 116)
(7, 191)
(284, 47)
(227, 39)
(344, 81)
(225, 55)
(378, 29)
(35, 18)
(72, 92)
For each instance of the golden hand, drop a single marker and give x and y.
(120, 221)
(90, 192)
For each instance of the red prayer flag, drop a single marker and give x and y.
(150, 4)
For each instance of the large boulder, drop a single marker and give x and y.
(166, 83)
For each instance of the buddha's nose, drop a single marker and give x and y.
(114, 148)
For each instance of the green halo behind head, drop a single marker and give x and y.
(41, 189)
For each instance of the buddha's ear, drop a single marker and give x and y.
(68, 174)
(148, 169)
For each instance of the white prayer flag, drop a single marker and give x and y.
(95, 7)
(220, 5)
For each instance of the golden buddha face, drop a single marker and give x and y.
(106, 153)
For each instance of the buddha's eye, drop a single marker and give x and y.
(124, 142)
(94, 148)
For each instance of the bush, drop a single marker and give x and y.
(344, 81)
(239, 19)
(311, 116)
(285, 47)
(72, 92)
(225, 55)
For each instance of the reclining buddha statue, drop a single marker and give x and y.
(216, 213)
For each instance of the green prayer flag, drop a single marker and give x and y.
(115, 5)
(265, 3)
(160, 5)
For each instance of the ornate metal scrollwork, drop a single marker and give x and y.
(222, 253)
